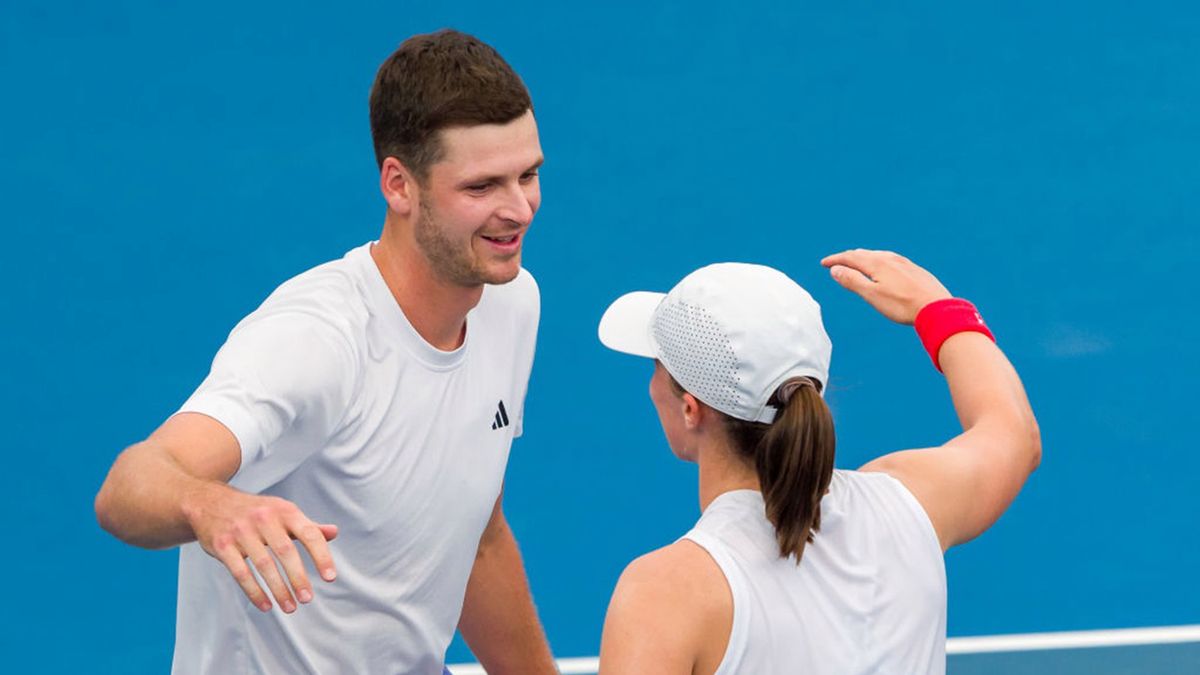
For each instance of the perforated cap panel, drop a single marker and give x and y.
(696, 351)
(729, 333)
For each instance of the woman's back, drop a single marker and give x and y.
(869, 595)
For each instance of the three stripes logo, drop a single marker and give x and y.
(501, 420)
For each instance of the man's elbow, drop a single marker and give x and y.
(115, 518)
(106, 510)
(109, 506)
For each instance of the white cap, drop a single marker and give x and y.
(729, 333)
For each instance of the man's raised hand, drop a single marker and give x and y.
(235, 527)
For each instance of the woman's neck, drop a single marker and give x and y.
(721, 471)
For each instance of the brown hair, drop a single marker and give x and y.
(434, 81)
(793, 457)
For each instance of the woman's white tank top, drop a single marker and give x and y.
(869, 595)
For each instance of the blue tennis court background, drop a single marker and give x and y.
(163, 167)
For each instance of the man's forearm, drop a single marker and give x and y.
(499, 621)
(141, 501)
(155, 484)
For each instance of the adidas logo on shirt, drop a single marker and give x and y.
(501, 417)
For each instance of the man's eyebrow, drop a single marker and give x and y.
(497, 178)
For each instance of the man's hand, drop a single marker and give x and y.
(171, 489)
(233, 526)
(891, 283)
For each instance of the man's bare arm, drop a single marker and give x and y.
(170, 489)
(499, 621)
(141, 501)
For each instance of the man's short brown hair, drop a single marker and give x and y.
(435, 81)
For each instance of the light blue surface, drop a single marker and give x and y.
(164, 166)
(1166, 659)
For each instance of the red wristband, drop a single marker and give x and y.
(940, 319)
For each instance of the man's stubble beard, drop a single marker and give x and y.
(450, 262)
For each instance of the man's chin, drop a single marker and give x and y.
(502, 273)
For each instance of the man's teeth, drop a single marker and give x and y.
(502, 240)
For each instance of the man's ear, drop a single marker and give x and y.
(398, 185)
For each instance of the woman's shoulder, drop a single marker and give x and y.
(683, 566)
(677, 599)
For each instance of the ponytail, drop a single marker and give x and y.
(793, 457)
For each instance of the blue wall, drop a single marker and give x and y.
(163, 166)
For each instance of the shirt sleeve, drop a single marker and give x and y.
(527, 346)
(281, 384)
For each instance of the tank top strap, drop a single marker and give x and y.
(738, 634)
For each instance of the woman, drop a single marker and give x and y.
(795, 567)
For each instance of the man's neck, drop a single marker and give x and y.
(721, 472)
(437, 309)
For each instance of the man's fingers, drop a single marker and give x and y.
(313, 537)
(264, 562)
(235, 562)
(283, 548)
(851, 279)
(264, 530)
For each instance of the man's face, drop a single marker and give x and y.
(478, 201)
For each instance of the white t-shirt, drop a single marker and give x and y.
(869, 595)
(342, 408)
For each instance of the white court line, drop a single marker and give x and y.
(1121, 637)
(1073, 640)
(577, 666)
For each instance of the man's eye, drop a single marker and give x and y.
(479, 187)
(525, 178)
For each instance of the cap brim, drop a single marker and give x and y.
(625, 326)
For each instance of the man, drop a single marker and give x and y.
(373, 399)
